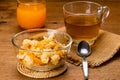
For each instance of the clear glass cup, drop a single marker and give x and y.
(83, 19)
(31, 13)
(40, 52)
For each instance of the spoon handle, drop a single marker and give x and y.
(85, 68)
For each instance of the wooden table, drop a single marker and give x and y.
(8, 27)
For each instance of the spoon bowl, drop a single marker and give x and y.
(84, 49)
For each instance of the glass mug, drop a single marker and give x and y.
(83, 19)
(31, 13)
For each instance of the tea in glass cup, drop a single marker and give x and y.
(31, 13)
(83, 20)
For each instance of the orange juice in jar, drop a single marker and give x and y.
(31, 14)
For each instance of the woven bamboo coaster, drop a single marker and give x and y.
(41, 74)
(105, 47)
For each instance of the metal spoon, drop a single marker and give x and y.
(84, 50)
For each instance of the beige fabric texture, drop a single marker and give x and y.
(105, 47)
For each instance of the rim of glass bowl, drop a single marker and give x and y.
(25, 31)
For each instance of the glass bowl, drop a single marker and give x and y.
(41, 49)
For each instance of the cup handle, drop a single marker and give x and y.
(106, 12)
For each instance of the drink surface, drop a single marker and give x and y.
(31, 15)
(84, 27)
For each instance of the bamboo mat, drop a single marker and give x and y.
(41, 74)
(105, 47)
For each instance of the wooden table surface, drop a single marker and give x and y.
(8, 27)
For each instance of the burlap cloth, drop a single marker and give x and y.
(104, 49)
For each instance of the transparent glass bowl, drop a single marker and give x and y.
(31, 58)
